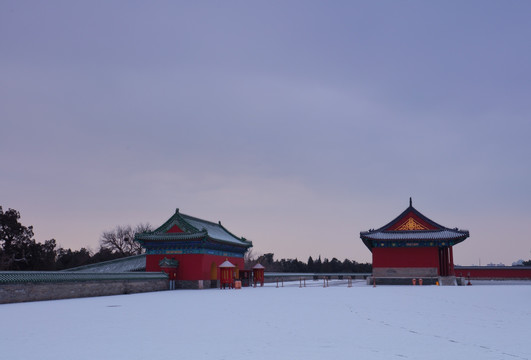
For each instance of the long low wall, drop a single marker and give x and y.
(296, 276)
(494, 272)
(22, 286)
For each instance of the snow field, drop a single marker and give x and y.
(362, 322)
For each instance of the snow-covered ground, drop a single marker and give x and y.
(337, 322)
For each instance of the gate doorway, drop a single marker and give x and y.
(213, 271)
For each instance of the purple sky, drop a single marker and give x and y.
(297, 124)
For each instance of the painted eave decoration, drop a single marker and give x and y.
(168, 263)
(412, 229)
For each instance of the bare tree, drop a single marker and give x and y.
(121, 239)
(249, 259)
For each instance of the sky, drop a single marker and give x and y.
(296, 124)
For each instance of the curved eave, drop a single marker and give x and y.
(435, 236)
(243, 240)
(415, 235)
(178, 237)
(141, 238)
(241, 243)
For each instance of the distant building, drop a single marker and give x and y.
(411, 247)
(493, 264)
(190, 250)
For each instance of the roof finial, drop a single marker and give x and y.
(177, 210)
(410, 202)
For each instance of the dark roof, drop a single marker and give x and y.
(412, 225)
(192, 228)
(416, 235)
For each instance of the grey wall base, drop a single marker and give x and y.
(196, 284)
(400, 281)
(13, 293)
(413, 272)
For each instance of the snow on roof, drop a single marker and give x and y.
(227, 264)
(215, 231)
(127, 264)
(415, 235)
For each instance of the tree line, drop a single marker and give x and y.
(20, 251)
(310, 266)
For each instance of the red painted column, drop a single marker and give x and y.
(440, 261)
(444, 261)
(447, 261)
(452, 270)
(447, 256)
(447, 251)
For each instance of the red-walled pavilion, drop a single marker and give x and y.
(199, 247)
(412, 246)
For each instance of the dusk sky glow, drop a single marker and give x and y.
(297, 124)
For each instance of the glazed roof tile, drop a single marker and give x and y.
(415, 235)
(436, 232)
(215, 231)
(193, 228)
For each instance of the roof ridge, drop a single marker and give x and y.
(218, 224)
(173, 219)
(416, 212)
(196, 218)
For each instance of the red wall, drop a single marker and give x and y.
(191, 266)
(494, 272)
(405, 257)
